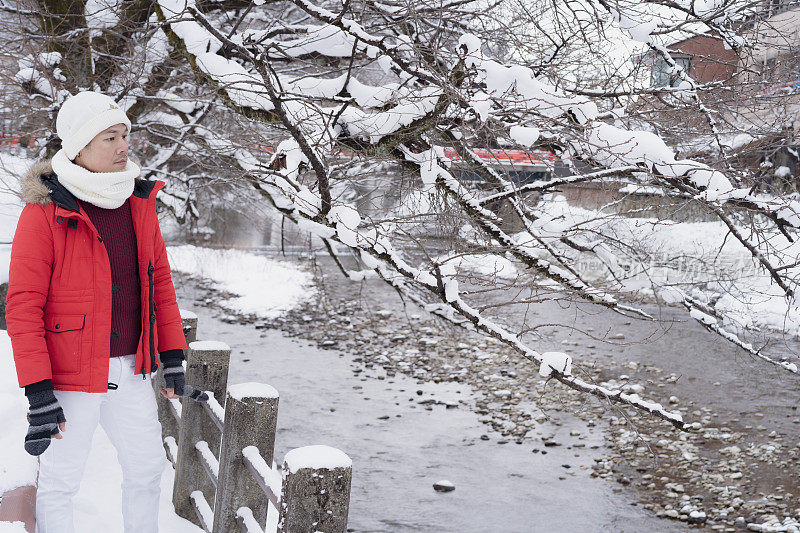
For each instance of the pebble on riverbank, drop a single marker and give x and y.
(444, 486)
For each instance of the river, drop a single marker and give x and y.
(396, 460)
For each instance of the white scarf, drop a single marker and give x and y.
(108, 190)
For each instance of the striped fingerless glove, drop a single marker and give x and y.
(44, 416)
(175, 378)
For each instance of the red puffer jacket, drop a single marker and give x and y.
(58, 307)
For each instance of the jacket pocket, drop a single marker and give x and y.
(64, 337)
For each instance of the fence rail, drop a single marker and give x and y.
(225, 478)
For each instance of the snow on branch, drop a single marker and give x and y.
(703, 315)
(394, 54)
(554, 183)
(432, 172)
(455, 100)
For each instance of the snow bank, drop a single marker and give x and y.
(10, 205)
(632, 188)
(17, 468)
(5, 260)
(754, 302)
(748, 299)
(265, 287)
(317, 456)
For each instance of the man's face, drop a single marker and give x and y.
(107, 152)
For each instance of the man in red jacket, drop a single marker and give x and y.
(91, 313)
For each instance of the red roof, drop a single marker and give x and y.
(509, 157)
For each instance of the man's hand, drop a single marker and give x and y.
(188, 390)
(169, 393)
(176, 385)
(46, 420)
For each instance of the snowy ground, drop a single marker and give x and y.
(262, 286)
(673, 258)
(685, 255)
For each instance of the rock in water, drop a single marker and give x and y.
(697, 517)
(444, 486)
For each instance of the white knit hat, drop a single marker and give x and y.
(83, 116)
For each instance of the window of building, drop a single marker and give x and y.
(662, 76)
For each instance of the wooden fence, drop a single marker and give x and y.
(223, 457)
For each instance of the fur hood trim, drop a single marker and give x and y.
(34, 191)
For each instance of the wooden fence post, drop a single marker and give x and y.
(251, 417)
(189, 323)
(206, 369)
(316, 490)
(169, 425)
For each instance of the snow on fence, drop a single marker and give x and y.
(223, 456)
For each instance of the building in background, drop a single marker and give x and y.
(754, 95)
(705, 58)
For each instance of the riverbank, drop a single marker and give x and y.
(404, 434)
(740, 469)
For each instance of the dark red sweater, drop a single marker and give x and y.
(115, 227)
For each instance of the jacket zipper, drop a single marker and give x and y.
(142, 336)
(152, 315)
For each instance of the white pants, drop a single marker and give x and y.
(129, 416)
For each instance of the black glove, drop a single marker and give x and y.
(44, 416)
(175, 378)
